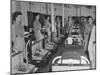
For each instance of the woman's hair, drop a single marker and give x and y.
(89, 17)
(70, 17)
(36, 14)
(46, 16)
(14, 15)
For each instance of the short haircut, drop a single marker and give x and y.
(82, 17)
(70, 17)
(46, 16)
(89, 17)
(36, 14)
(14, 15)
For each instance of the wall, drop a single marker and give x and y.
(24, 9)
(88, 12)
(46, 9)
(69, 11)
(15, 6)
(21, 7)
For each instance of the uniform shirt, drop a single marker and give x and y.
(37, 25)
(88, 28)
(48, 27)
(69, 26)
(82, 26)
(18, 36)
(92, 47)
(37, 28)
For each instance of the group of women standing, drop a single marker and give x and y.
(86, 26)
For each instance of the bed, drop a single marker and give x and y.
(72, 58)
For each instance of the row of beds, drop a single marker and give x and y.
(60, 62)
(74, 56)
(37, 59)
(65, 61)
